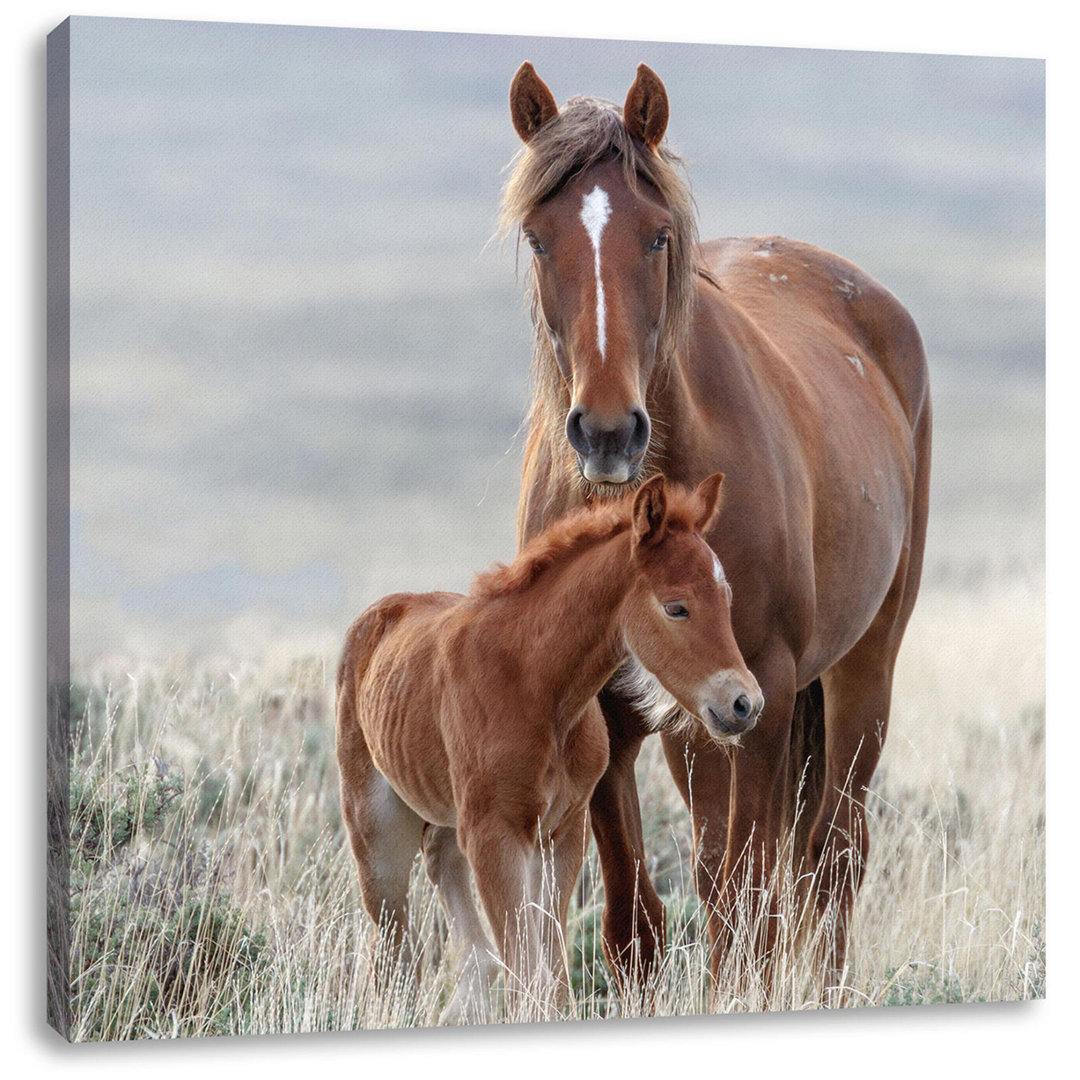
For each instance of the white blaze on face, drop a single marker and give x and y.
(595, 212)
(719, 576)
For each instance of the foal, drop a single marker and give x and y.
(468, 727)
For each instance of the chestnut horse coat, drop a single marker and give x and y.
(805, 382)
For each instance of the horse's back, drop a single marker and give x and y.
(792, 289)
(832, 388)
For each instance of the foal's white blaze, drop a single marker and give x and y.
(719, 576)
(595, 212)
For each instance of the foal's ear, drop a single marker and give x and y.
(645, 113)
(531, 102)
(650, 512)
(708, 493)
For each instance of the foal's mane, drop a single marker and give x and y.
(571, 535)
(584, 132)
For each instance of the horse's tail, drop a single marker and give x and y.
(807, 782)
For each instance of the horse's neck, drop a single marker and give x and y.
(570, 620)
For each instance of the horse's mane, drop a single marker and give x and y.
(572, 534)
(583, 133)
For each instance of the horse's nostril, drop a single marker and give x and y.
(639, 433)
(741, 708)
(575, 431)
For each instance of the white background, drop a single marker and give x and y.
(994, 1040)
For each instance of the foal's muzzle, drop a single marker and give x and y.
(608, 452)
(735, 707)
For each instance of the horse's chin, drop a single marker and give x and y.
(606, 489)
(725, 742)
(602, 492)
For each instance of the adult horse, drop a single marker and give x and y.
(805, 382)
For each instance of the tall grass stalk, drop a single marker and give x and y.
(213, 891)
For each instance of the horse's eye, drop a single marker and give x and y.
(661, 241)
(676, 611)
(535, 244)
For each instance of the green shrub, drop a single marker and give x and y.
(161, 948)
(927, 985)
(588, 971)
(109, 812)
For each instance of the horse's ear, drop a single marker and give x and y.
(531, 102)
(708, 494)
(650, 512)
(645, 113)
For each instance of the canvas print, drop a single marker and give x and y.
(539, 529)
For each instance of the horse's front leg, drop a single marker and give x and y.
(702, 773)
(736, 796)
(633, 921)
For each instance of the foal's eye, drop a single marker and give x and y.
(676, 611)
(661, 241)
(535, 244)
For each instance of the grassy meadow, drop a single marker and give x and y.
(213, 891)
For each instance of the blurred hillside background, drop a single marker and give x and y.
(299, 365)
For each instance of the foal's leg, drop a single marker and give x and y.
(449, 872)
(385, 835)
(633, 921)
(508, 864)
(568, 853)
(384, 832)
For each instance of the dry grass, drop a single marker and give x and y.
(213, 892)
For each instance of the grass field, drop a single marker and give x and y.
(213, 893)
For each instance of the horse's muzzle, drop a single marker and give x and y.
(609, 452)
